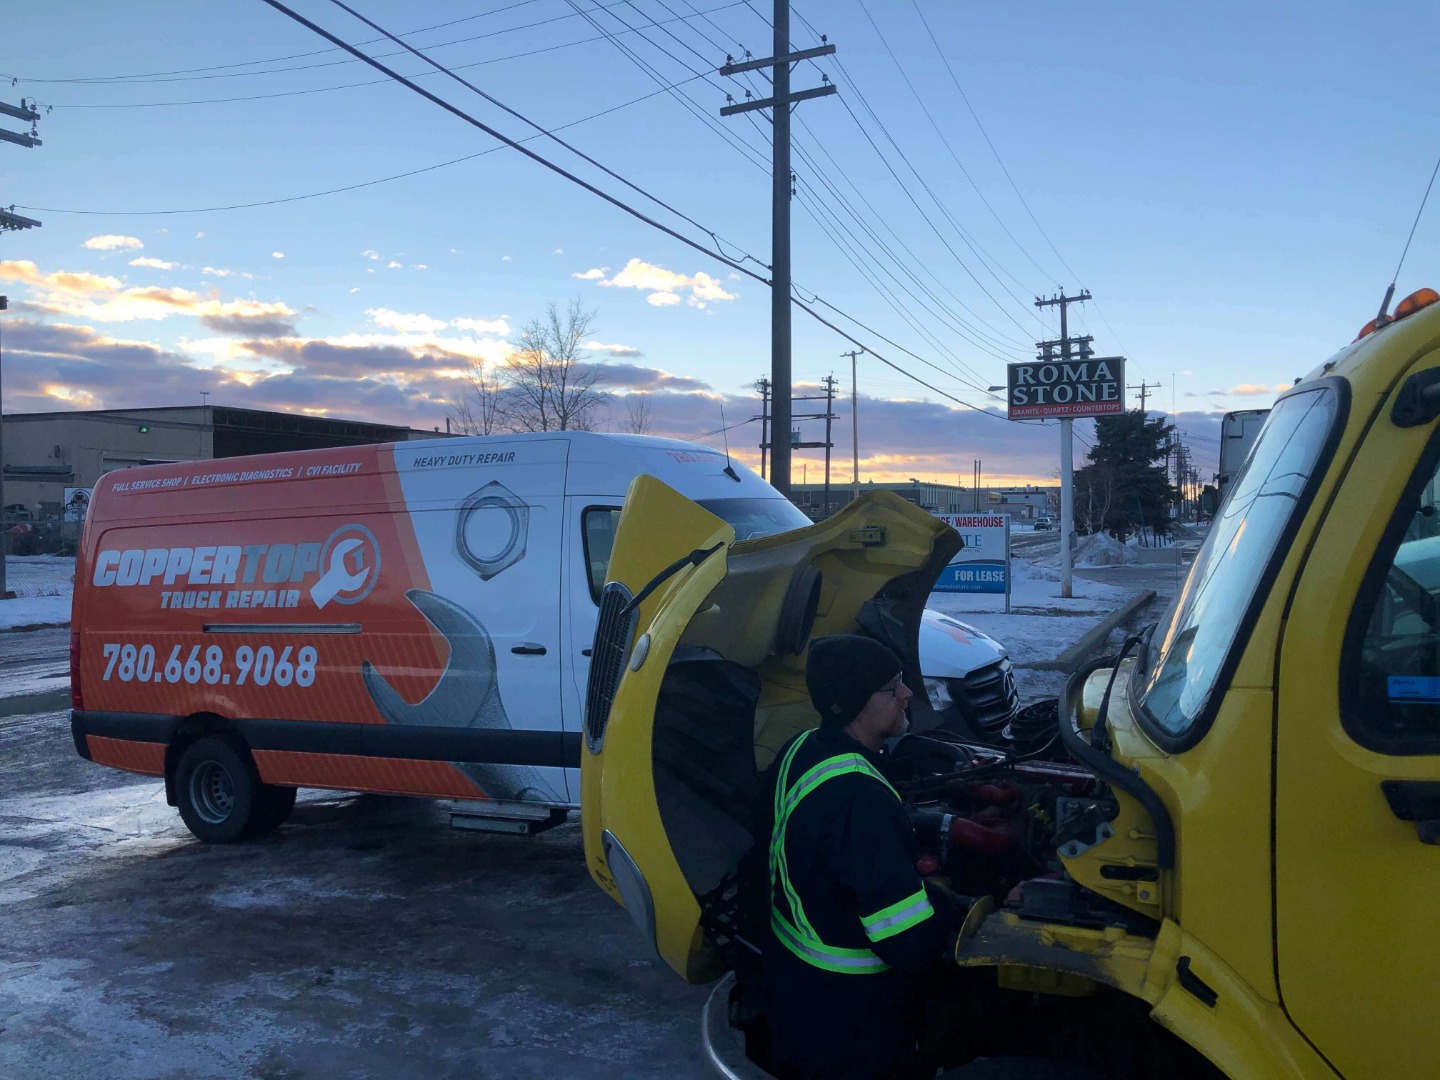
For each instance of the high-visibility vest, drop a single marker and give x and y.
(787, 914)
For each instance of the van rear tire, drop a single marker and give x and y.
(220, 796)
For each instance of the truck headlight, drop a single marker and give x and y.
(939, 694)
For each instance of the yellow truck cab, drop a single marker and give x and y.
(1237, 872)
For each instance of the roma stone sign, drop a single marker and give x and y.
(1089, 386)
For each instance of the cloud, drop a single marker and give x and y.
(78, 294)
(277, 254)
(504, 258)
(558, 251)
(410, 324)
(112, 242)
(355, 290)
(419, 266)
(1249, 390)
(393, 265)
(628, 351)
(482, 326)
(215, 271)
(67, 281)
(596, 273)
(665, 287)
(250, 319)
(200, 235)
(633, 377)
(153, 264)
(370, 253)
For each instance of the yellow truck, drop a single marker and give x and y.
(1238, 872)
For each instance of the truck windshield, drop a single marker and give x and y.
(754, 518)
(1210, 617)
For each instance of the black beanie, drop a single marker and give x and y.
(841, 673)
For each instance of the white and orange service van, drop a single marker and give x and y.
(413, 618)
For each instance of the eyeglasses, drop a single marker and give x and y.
(892, 687)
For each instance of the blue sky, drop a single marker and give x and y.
(1233, 184)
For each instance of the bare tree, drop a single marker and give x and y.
(638, 420)
(478, 408)
(549, 382)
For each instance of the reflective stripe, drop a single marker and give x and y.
(818, 954)
(899, 917)
(800, 937)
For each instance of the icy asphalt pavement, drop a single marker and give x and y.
(365, 939)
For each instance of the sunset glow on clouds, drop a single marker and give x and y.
(406, 366)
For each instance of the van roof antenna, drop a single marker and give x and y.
(729, 469)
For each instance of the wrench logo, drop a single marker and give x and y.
(351, 558)
(466, 695)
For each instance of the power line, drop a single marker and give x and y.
(458, 112)
(736, 266)
(366, 82)
(946, 143)
(271, 60)
(349, 187)
(989, 340)
(999, 161)
(129, 80)
(526, 120)
(720, 130)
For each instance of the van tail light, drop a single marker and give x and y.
(77, 699)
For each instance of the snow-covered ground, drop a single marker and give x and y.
(1041, 624)
(42, 585)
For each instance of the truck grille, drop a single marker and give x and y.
(989, 694)
(614, 633)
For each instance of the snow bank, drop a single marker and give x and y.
(42, 585)
(1101, 549)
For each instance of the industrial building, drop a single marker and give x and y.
(1020, 503)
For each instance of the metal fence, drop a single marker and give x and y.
(39, 553)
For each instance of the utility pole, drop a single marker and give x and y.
(1144, 389)
(829, 419)
(763, 385)
(854, 424)
(779, 104)
(1067, 471)
(11, 222)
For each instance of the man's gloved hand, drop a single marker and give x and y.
(949, 905)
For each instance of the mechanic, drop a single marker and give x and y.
(851, 924)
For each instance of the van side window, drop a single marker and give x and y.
(597, 525)
(1390, 681)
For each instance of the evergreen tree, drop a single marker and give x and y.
(1125, 487)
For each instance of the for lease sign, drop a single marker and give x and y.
(1092, 386)
(983, 565)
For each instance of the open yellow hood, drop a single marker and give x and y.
(694, 688)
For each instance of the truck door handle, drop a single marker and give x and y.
(1417, 801)
(583, 652)
(528, 648)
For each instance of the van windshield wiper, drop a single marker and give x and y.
(695, 558)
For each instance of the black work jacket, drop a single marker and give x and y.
(850, 854)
